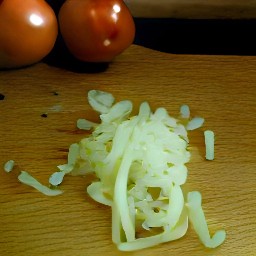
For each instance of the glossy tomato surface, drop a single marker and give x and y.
(28, 30)
(96, 30)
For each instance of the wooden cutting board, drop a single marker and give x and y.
(222, 89)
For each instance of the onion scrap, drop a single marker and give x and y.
(140, 162)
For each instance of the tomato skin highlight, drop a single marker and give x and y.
(96, 30)
(28, 31)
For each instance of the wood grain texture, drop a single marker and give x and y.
(219, 88)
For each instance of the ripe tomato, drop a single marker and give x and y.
(28, 30)
(96, 30)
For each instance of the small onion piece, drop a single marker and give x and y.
(197, 218)
(84, 124)
(100, 101)
(209, 144)
(184, 111)
(195, 123)
(8, 166)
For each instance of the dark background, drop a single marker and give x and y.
(236, 37)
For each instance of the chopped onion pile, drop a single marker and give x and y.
(140, 165)
(140, 162)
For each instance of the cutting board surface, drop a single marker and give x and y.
(219, 88)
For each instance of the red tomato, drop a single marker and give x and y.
(96, 30)
(28, 30)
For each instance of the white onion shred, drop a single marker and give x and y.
(197, 218)
(101, 101)
(140, 162)
(195, 123)
(73, 154)
(8, 166)
(184, 111)
(27, 179)
(209, 144)
(84, 124)
(56, 178)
